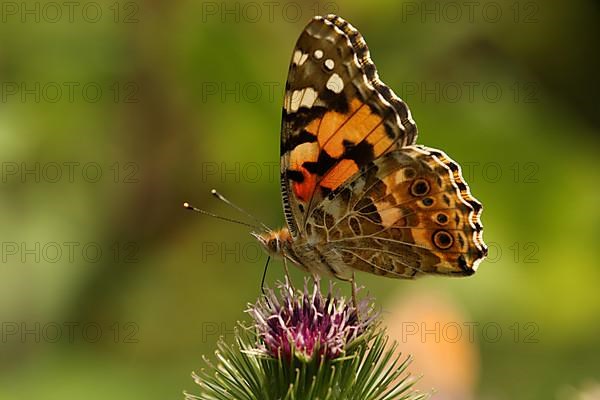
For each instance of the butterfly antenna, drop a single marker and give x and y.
(192, 208)
(222, 198)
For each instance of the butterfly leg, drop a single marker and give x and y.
(287, 273)
(262, 282)
(354, 290)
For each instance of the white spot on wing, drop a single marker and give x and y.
(297, 55)
(295, 100)
(310, 95)
(335, 83)
(303, 58)
(302, 98)
(318, 54)
(329, 64)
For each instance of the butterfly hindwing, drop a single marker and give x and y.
(337, 117)
(408, 213)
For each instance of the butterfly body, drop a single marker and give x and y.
(305, 255)
(358, 193)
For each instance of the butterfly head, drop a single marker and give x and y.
(274, 242)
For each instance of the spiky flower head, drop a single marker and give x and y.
(306, 324)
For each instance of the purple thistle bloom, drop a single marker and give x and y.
(307, 324)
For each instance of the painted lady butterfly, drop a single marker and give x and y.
(358, 193)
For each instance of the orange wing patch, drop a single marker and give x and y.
(314, 126)
(333, 131)
(305, 152)
(357, 125)
(380, 140)
(330, 125)
(339, 174)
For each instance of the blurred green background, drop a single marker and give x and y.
(114, 113)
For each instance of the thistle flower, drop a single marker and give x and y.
(303, 345)
(308, 325)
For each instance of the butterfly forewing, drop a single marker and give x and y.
(337, 116)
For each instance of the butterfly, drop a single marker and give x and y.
(358, 193)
